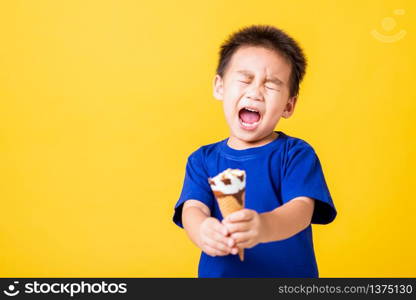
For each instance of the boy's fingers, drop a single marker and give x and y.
(240, 237)
(237, 227)
(220, 238)
(218, 245)
(238, 216)
(245, 244)
(220, 228)
(234, 251)
(214, 252)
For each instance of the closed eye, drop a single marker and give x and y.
(270, 88)
(245, 82)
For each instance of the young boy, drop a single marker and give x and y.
(257, 80)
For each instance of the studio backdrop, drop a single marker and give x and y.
(101, 102)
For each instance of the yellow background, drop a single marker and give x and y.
(101, 102)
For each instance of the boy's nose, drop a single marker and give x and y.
(255, 94)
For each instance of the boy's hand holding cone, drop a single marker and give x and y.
(229, 190)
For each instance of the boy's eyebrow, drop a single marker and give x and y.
(272, 79)
(246, 73)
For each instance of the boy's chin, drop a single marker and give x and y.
(252, 137)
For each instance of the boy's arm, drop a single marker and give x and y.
(194, 212)
(206, 232)
(248, 228)
(287, 220)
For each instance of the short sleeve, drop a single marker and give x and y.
(195, 186)
(303, 176)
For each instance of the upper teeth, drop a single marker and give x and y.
(251, 109)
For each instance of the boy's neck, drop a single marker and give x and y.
(238, 144)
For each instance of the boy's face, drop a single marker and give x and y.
(255, 95)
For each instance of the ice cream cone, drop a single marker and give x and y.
(229, 190)
(229, 204)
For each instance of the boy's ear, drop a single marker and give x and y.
(218, 87)
(290, 107)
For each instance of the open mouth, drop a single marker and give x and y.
(249, 117)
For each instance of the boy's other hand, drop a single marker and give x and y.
(214, 238)
(245, 227)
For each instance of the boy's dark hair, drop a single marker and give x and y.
(271, 38)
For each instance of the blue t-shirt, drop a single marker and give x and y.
(277, 172)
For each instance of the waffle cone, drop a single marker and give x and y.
(229, 204)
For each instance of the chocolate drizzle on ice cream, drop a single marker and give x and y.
(229, 182)
(226, 181)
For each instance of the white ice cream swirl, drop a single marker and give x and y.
(228, 182)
